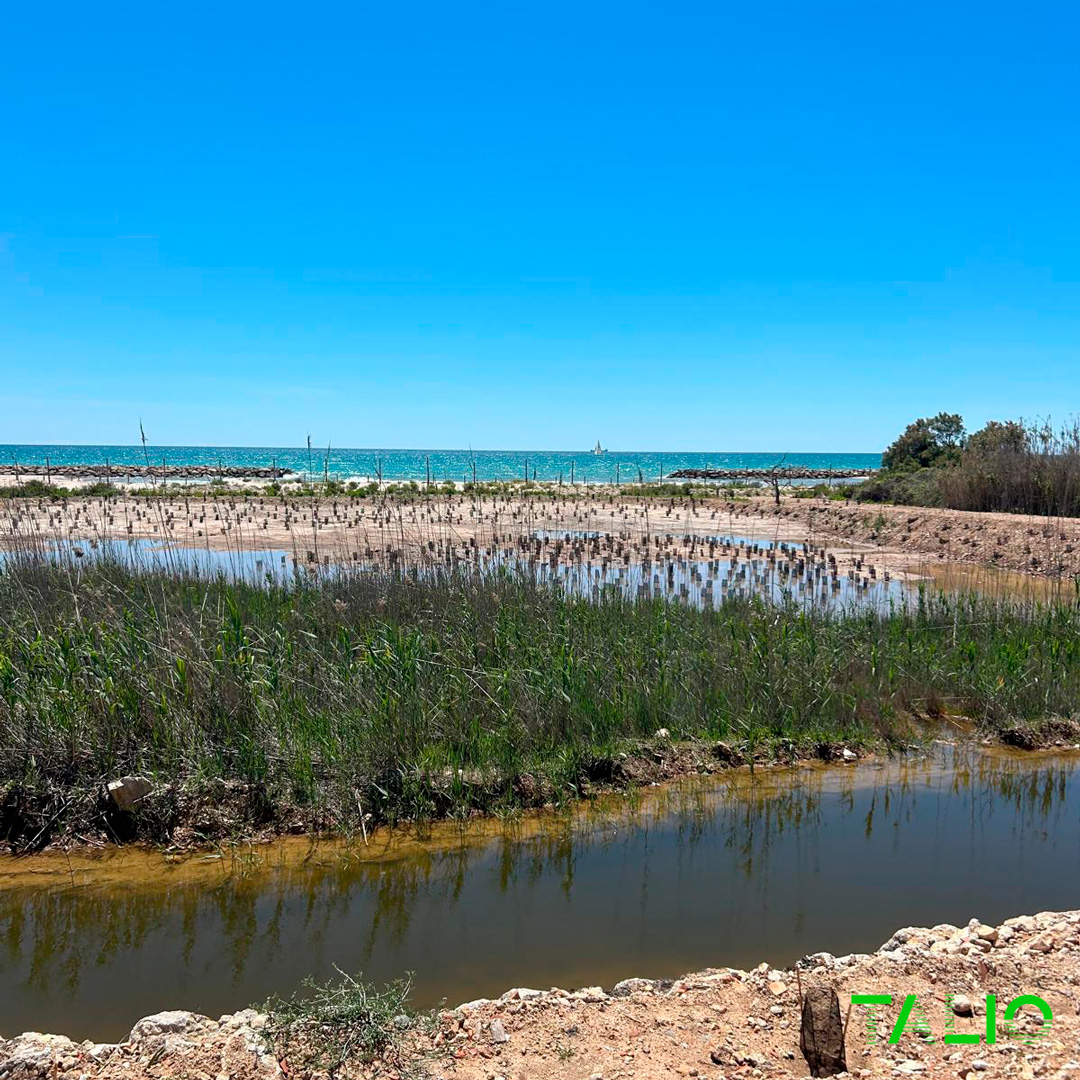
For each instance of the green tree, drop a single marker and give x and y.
(927, 441)
(998, 437)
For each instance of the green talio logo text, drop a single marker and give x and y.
(914, 1021)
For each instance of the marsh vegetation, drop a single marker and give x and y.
(364, 696)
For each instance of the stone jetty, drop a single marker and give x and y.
(790, 472)
(153, 472)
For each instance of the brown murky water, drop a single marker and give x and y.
(994, 582)
(730, 871)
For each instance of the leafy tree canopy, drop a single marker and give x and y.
(928, 441)
(997, 438)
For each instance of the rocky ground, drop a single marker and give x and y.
(716, 1024)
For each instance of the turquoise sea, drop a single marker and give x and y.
(458, 465)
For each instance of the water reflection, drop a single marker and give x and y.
(701, 571)
(738, 566)
(731, 871)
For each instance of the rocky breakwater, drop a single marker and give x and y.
(153, 472)
(791, 472)
(721, 1023)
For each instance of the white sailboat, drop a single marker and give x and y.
(599, 449)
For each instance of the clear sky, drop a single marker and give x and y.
(667, 225)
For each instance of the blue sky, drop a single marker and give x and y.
(675, 226)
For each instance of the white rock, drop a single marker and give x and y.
(33, 1053)
(469, 1006)
(1044, 943)
(100, 1051)
(498, 1032)
(943, 930)
(901, 937)
(1024, 923)
(172, 1022)
(128, 791)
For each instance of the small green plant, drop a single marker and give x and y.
(326, 1024)
(920, 487)
(39, 489)
(835, 492)
(30, 489)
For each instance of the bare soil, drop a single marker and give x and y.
(1019, 542)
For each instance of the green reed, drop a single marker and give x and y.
(433, 692)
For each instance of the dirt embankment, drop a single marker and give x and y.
(187, 816)
(200, 813)
(1018, 542)
(718, 1023)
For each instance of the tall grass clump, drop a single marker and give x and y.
(1015, 467)
(432, 692)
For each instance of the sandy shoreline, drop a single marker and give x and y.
(719, 1023)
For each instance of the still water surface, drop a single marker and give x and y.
(721, 871)
(701, 583)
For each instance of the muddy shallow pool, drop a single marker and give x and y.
(728, 871)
